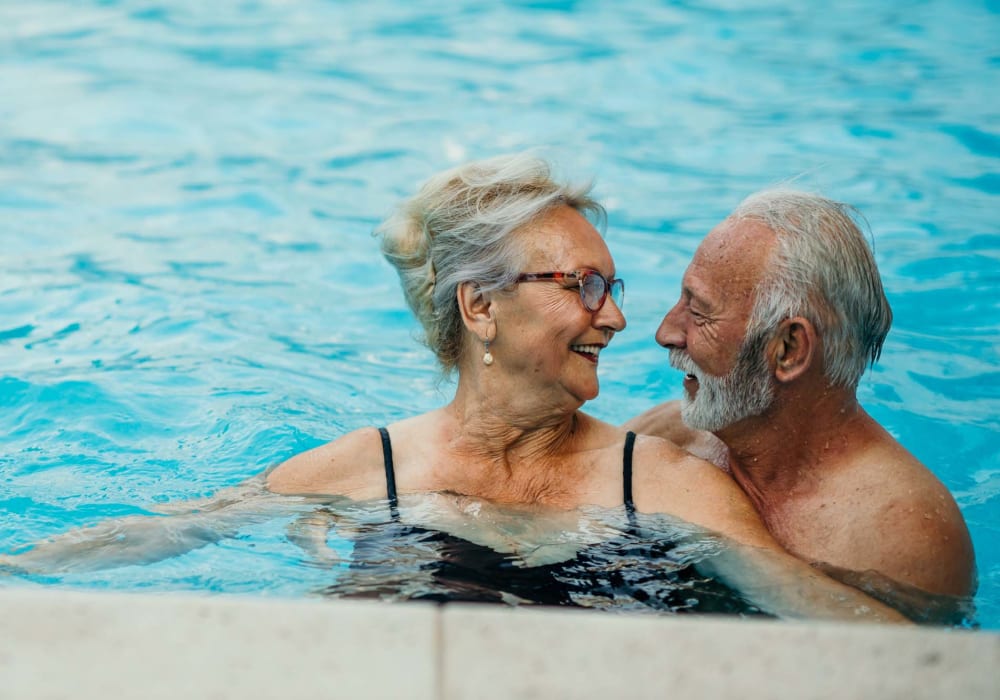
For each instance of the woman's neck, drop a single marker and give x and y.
(509, 447)
(494, 428)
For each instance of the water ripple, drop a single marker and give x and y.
(190, 291)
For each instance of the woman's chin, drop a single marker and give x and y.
(586, 393)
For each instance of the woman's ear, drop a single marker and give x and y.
(794, 348)
(476, 308)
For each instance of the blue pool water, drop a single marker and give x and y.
(188, 287)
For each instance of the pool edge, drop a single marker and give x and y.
(70, 643)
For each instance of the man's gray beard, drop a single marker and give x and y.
(722, 401)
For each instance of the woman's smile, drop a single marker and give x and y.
(589, 352)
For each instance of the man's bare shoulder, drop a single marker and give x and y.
(664, 421)
(898, 519)
(351, 465)
(931, 547)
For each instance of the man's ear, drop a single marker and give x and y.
(476, 308)
(794, 348)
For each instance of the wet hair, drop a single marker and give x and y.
(460, 228)
(821, 269)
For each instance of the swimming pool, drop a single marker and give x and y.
(189, 291)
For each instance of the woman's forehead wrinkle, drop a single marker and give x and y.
(565, 241)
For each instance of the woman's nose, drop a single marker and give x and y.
(610, 316)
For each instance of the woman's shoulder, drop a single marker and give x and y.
(672, 481)
(659, 450)
(660, 459)
(645, 448)
(652, 456)
(352, 465)
(665, 421)
(667, 478)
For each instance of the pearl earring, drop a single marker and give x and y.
(487, 357)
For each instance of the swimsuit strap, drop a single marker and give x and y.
(390, 474)
(627, 476)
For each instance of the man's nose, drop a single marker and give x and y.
(670, 334)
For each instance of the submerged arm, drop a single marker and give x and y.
(779, 583)
(916, 604)
(143, 539)
(303, 481)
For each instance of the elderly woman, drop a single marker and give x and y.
(517, 293)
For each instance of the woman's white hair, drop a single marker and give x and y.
(458, 228)
(822, 269)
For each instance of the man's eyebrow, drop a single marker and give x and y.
(692, 295)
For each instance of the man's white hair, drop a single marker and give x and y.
(821, 269)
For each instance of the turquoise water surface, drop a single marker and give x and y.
(189, 291)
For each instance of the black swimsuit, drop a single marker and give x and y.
(632, 571)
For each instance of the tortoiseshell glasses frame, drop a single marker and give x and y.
(594, 287)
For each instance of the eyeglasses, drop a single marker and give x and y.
(594, 287)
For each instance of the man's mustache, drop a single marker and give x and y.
(682, 361)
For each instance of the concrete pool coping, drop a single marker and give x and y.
(58, 643)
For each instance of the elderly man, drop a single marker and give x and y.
(781, 309)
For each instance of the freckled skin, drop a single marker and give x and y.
(709, 320)
(831, 484)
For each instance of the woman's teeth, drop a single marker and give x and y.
(594, 350)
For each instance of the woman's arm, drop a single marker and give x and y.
(346, 465)
(779, 583)
(349, 466)
(142, 539)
